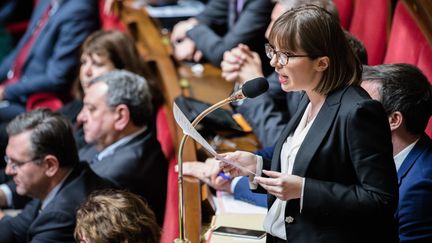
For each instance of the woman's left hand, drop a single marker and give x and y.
(283, 186)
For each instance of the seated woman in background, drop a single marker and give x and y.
(104, 51)
(116, 216)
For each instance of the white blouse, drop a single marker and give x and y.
(274, 222)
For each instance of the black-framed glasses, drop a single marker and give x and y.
(281, 56)
(15, 164)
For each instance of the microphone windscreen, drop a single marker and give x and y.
(255, 87)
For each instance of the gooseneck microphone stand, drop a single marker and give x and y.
(182, 233)
(251, 89)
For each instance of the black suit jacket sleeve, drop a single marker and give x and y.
(14, 229)
(248, 29)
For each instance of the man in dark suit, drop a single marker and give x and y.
(43, 160)
(407, 98)
(221, 26)
(46, 58)
(117, 121)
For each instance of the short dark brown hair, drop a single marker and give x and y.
(318, 33)
(404, 88)
(51, 134)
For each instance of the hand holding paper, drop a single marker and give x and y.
(244, 162)
(189, 130)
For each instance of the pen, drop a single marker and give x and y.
(225, 177)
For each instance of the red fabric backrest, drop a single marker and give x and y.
(345, 9)
(170, 229)
(370, 24)
(44, 100)
(19, 27)
(407, 44)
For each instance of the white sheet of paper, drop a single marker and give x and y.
(189, 130)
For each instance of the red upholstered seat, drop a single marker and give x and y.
(44, 100)
(345, 9)
(370, 24)
(408, 44)
(170, 229)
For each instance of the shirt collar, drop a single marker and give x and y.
(54, 191)
(111, 149)
(55, 4)
(401, 156)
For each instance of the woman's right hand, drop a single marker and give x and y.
(244, 159)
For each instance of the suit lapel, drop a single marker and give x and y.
(292, 124)
(32, 215)
(411, 158)
(43, 30)
(317, 132)
(37, 209)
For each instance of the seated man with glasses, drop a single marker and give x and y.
(43, 160)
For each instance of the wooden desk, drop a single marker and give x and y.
(207, 85)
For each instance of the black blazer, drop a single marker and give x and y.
(351, 190)
(56, 223)
(138, 166)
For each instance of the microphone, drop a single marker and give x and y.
(251, 89)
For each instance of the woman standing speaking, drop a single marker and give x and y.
(332, 177)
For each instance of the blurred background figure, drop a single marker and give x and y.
(406, 96)
(121, 145)
(44, 62)
(221, 26)
(43, 160)
(116, 216)
(101, 52)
